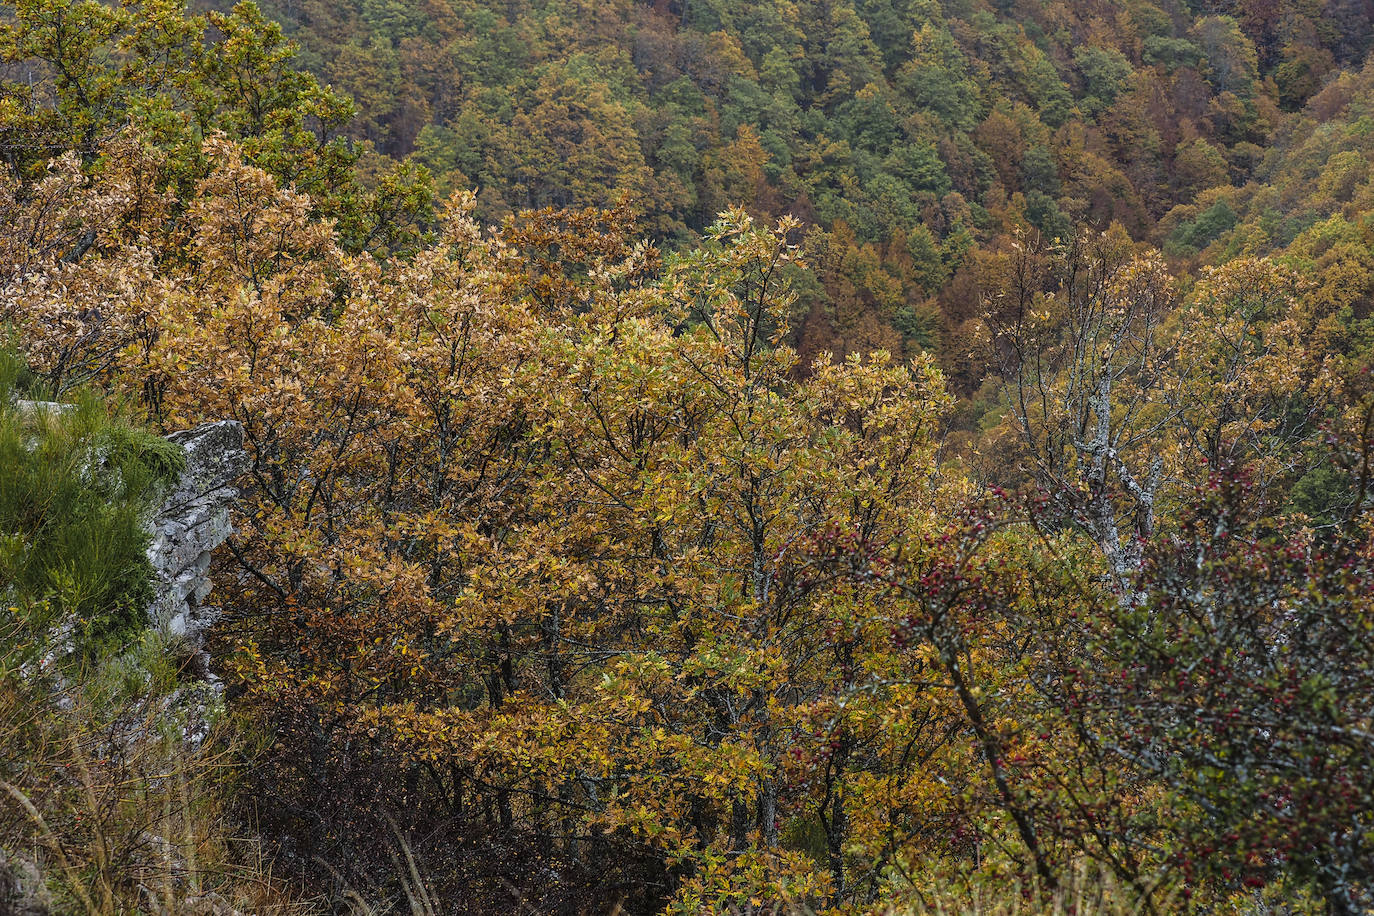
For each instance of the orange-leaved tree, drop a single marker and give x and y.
(523, 550)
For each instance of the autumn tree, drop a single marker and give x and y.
(1077, 332)
(521, 532)
(79, 72)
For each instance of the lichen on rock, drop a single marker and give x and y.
(194, 519)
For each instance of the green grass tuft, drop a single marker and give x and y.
(76, 488)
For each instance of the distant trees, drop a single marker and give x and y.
(884, 117)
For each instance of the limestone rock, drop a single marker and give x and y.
(193, 521)
(33, 408)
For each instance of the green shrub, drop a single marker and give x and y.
(76, 486)
(1207, 228)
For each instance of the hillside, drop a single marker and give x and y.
(908, 132)
(700, 457)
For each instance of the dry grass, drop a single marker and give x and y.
(104, 796)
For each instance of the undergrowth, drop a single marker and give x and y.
(113, 765)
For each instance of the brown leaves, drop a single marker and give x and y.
(525, 507)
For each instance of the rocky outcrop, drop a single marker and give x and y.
(194, 518)
(193, 521)
(22, 889)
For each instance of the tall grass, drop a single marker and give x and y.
(103, 795)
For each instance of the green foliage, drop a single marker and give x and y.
(1171, 53)
(1105, 74)
(1321, 494)
(79, 486)
(1043, 213)
(1228, 55)
(1209, 225)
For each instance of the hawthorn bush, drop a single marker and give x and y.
(1242, 683)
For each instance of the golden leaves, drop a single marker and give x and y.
(530, 503)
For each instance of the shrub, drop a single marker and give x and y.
(78, 485)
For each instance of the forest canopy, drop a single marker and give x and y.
(856, 456)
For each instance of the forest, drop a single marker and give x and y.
(698, 456)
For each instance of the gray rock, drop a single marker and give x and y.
(33, 408)
(193, 521)
(22, 889)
